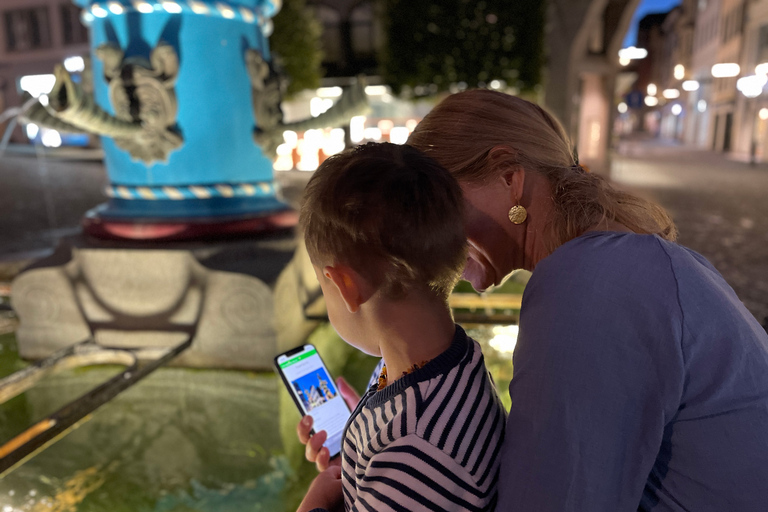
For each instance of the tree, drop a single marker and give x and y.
(434, 45)
(296, 43)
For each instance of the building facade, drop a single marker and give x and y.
(706, 42)
(751, 117)
(34, 36)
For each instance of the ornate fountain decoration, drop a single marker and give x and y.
(267, 88)
(143, 92)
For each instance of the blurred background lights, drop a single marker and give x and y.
(691, 85)
(385, 125)
(51, 139)
(652, 89)
(764, 114)
(651, 101)
(701, 106)
(319, 105)
(36, 85)
(376, 90)
(399, 135)
(74, 64)
(762, 69)
(32, 130)
(329, 92)
(334, 142)
(671, 94)
(623, 108)
(504, 338)
(357, 129)
(726, 70)
(372, 134)
(752, 86)
(677, 109)
(679, 72)
(633, 53)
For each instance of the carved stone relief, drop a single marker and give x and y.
(143, 91)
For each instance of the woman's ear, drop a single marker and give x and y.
(512, 175)
(514, 180)
(349, 284)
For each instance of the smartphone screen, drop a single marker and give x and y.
(315, 393)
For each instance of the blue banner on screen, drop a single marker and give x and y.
(316, 392)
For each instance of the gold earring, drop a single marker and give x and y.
(517, 215)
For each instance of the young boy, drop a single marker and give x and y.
(383, 228)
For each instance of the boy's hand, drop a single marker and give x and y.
(325, 492)
(315, 452)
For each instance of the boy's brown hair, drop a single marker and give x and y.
(392, 214)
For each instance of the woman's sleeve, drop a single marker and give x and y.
(598, 375)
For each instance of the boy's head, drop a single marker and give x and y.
(390, 213)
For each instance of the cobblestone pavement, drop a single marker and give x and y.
(720, 208)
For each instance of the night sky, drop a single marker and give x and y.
(647, 7)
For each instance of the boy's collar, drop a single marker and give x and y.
(441, 364)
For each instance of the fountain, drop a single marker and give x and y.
(186, 100)
(192, 260)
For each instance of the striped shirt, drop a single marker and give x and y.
(428, 441)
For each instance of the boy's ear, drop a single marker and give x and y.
(351, 285)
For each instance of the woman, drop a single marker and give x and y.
(640, 380)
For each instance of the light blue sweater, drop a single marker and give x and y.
(640, 383)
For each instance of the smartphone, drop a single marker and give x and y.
(313, 390)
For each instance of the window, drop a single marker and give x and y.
(762, 45)
(364, 31)
(331, 39)
(73, 29)
(27, 29)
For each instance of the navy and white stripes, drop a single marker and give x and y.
(430, 440)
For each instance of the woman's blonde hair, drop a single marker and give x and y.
(464, 131)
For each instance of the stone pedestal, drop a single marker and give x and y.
(244, 299)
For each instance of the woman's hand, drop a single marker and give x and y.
(315, 452)
(325, 492)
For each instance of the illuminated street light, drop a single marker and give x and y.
(633, 53)
(651, 101)
(691, 85)
(671, 94)
(623, 108)
(679, 72)
(677, 109)
(652, 89)
(726, 70)
(752, 86)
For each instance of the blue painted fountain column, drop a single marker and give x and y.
(218, 172)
